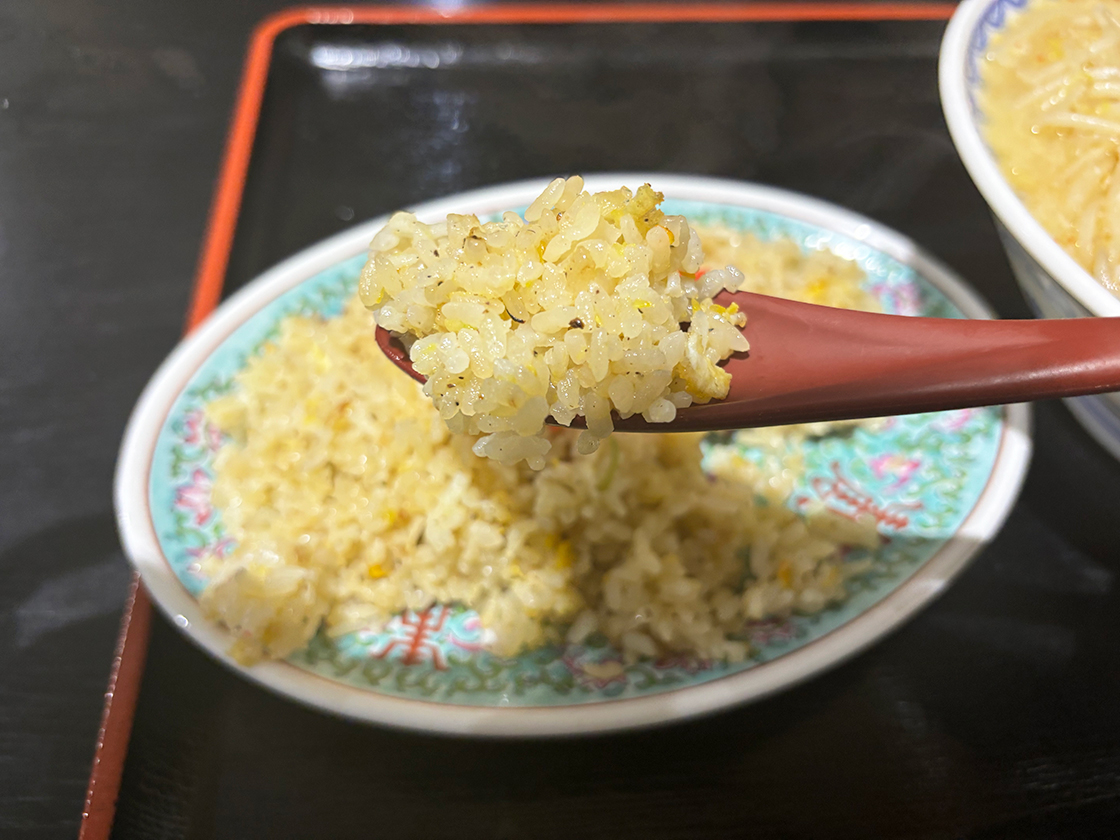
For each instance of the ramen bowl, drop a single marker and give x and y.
(1053, 283)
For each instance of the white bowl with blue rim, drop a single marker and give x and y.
(940, 486)
(1053, 283)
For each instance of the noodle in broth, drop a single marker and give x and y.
(1052, 101)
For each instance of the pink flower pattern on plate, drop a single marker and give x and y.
(216, 549)
(903, 469)
(954, 421)
(691, 665)
(194, 497)
(770, 630)
(197, 432)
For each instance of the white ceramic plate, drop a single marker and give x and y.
(426, 672)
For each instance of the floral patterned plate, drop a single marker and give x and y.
(939, 485)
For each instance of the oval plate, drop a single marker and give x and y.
(940, 486)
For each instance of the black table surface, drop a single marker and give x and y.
(992, 715)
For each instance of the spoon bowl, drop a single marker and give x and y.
(810, 363)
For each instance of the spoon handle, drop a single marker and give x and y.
(811, 363)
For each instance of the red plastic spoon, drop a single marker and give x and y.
(811, 363)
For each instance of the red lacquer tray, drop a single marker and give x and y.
(783, 66)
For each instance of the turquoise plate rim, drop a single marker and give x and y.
(143, 547)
